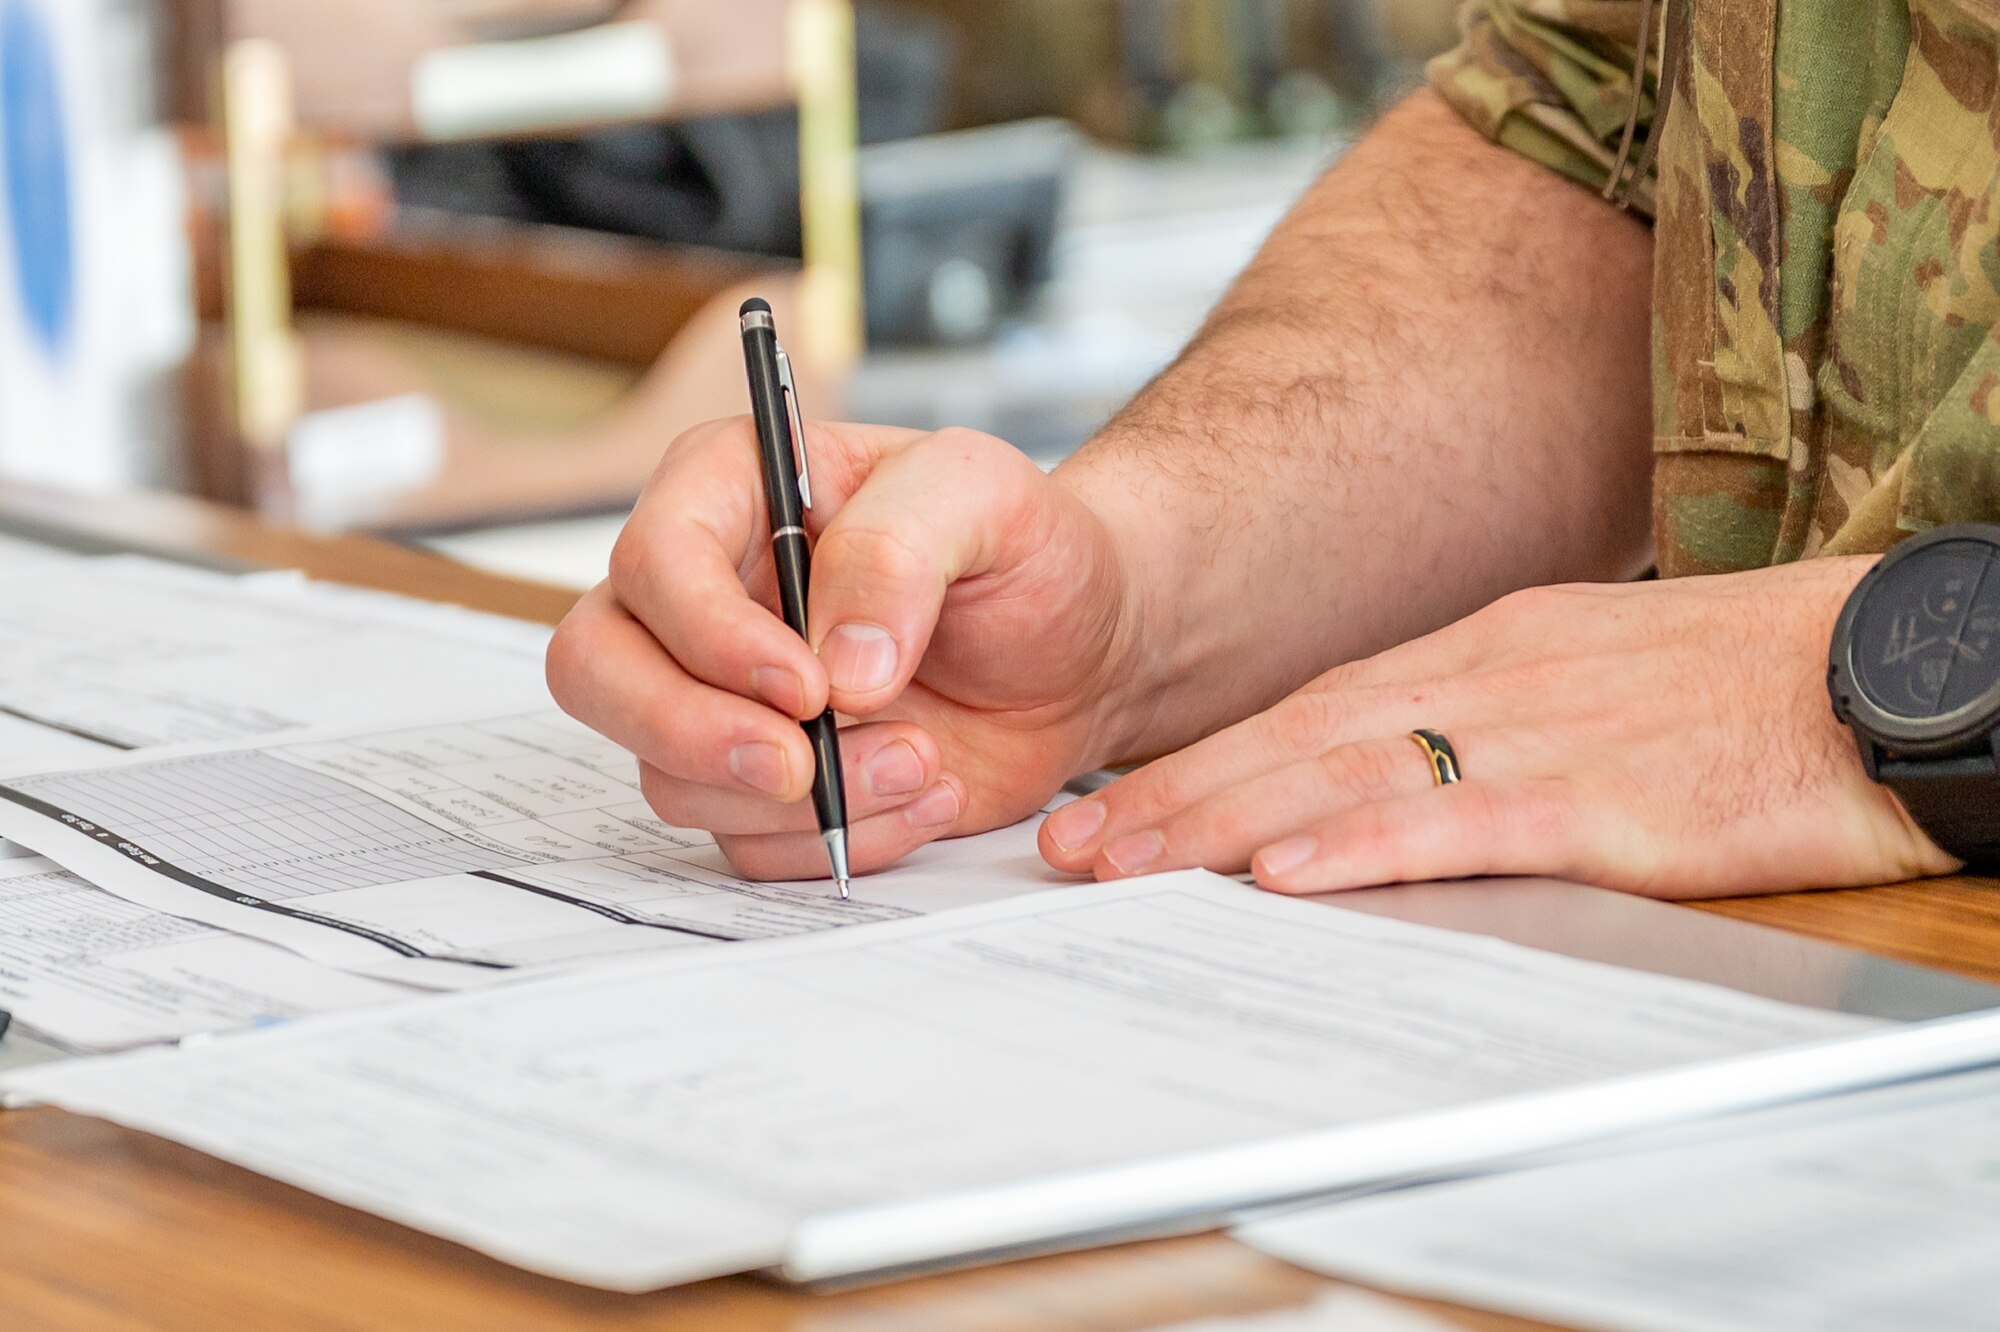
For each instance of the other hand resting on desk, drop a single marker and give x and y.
(1669, 738)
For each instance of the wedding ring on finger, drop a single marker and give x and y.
(1439, 754)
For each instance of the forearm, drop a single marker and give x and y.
(1428, 390)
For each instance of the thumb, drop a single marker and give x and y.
(927, 516)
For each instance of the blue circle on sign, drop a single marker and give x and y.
(34, 170)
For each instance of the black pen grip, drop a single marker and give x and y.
(829, 790)
(794, 560)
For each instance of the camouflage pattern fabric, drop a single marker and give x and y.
(1825, 191)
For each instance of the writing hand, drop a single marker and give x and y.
(967, 611)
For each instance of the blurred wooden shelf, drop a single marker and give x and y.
(571, 416)
(581, 292)
(520, 370)
(355, 61)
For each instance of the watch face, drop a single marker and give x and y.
(1926, 641)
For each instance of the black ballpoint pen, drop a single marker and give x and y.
(781, 448)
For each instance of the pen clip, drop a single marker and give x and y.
(791, 391)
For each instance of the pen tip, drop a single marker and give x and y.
(843, 890)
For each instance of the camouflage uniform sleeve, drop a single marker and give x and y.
(1552, 79)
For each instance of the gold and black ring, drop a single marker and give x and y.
(1443, 758)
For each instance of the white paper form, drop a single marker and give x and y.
(100, 656)
(131, 653)
(1873, 1212)
(675, 1118)
(33, 743)
(91, 971)
(26, 742)
(20, 556)
(436, 854)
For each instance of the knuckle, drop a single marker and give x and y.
(1482, 808)
(965, 442)
(1535, 603)
(754, 857)
(710, 630)
(872, 555)
(690, 443)
(981, 459)
(1369, 831)
(1158, 789)
(675, 800)
(1304, 720)
(681, 746)
(725, 432)
(1523, 816)
(567, 661)
(1208, 834)
(1547, 678)
(1551, 813)
(1369, 771)
(1522, 603)
(634, 556)
(664, 793)
(574, 649)
(1547, 599)
(1344, 676)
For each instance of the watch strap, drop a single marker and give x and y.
(1955, 801)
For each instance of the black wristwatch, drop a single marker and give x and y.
(1915, 672)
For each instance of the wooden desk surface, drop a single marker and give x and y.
(113, 1231)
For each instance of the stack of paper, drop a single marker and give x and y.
(681, 1117)
(276, 805)
(202, 747)
(92, 971)
(102, 657)
(434, 854)
(118, 654)
(1875, 1211)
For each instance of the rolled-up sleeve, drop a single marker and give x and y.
(1552, 80)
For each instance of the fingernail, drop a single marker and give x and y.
(935, 809)
(761, 766)
(860, 658)
(1281, 857)
(781, 688)
(1132, 853)
(895, 770)
(1072, 826)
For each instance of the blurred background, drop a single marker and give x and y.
(456, 271)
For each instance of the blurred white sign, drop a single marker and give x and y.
(93, 266)
(614, 72)
(348, 464)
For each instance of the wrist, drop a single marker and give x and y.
(1134, 712)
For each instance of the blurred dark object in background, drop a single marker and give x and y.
(729, 181)
(959, 229)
